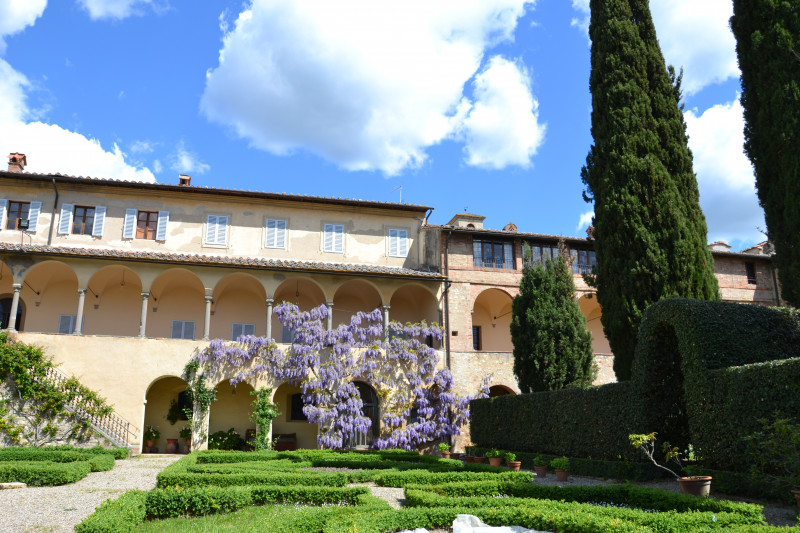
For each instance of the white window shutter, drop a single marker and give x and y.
(188, 329)
(177, 329)
(402, 243)
(211, 229)
(65, 222)
(327, 244)
(339, 239)
(163, 220)
(236, 331)
(129, 228)
(269, 238)
(248, 329)
(393, 242)
(3, 213)
(222, 229)
(280, 234)
(33, 216)
(99, 220)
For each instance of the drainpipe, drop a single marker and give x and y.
(53, 214)
(777, 289)
(446, 302)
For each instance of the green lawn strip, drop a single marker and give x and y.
(422, 477)
(632, 495)
(659, 521)
(120, 515)
(43, 473)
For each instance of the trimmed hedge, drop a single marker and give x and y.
(761, 487)
(43, 473)
(121, 515)
(188, 479)
(421, 477)
(593, 422)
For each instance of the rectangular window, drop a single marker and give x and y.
(476, 338)
(183, 329)
(297, 414)
(83, 220)
(541, 253)
(492, 254)
(146, 226)
(751, 272)
(217, 230)
(275, 236)
(237, 330)
(17, 211)
(398, 243)
(66, 324)
(583, 261)
(333, 238)
(287, 335)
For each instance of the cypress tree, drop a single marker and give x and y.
(768, 46)
(552, 346)
(649, 231)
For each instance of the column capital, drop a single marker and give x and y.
(208, 298)
(145, 294)
(16, 286)
(329, 304)
(82, 291)
(270, 300)
(386, 307)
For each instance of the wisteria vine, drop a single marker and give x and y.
(418, 404)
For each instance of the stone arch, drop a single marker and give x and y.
(238, 299)
(232, 409)
(370, 409)
(590, 308)
(113, 303)
(414, 303)
(6, 297)
(292, 420)
(160, 394)
(353, 296)
(491, 321)
(50, 293)
(304, 293)
(500, 390)
(176, 294)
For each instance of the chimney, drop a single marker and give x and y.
(16, 162)
(184, 179)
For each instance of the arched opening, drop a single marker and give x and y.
(354, 296)
(160, 397)
(371, 410)
(113, 303)
(50, 292)
(176, 306)
(5, 313)
(238, 308)
(591, 310)
(412, 303)
(232, 410)
(500, 390)
(491, 322)
(302, 292)
(292, 422)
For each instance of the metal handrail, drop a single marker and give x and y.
(112, 426)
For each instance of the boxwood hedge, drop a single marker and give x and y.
(43, 473)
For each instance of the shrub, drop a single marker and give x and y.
(225, 440)
(121, 515)
(169, 479)
(43, 473)
(101, 462)
(417, 477)
(560, 463)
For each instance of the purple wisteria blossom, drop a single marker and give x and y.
(418, 404)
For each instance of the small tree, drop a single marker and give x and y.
(552, 347)
(264, 411)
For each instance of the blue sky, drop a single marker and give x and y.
(466, 105)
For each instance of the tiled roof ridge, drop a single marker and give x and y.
(202, 259)
(195, 188)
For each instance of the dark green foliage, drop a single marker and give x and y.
(761, 487)
(225, 440)
(593, 422)
(421, 477)
(250, 478)
(768, 46)
(121, 515)
(43, 473)
(649, 231)
(42, 404)
(552, 347)
(264, 411)
(99, 462)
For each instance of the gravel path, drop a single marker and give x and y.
(59, 509)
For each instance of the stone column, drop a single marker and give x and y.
(329, 305)
(79, 315)
(143, 317)
(12, 320)
(207, 323)
(386, 322)
(270, 301)
(199, 427)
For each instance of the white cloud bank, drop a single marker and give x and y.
(372, 85)
(115, 9)
(585, 220)
(48, 147)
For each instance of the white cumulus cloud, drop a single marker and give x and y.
(724, 173)
(187, 162)
(117, 9)
(16, 15)
(369, 85)
(585, 220)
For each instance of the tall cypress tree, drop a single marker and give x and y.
(649, 231)
(768, 45)
(552, 346)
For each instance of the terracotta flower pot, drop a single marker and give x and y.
(172, 446)
(149, 445)
(479, 460)
(445, 455)
(562, 475)
(495, 461)
(695, 485)
(541, 471)
(513, 465)
(468, 458)
(188, 445)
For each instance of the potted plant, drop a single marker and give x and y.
(151, 436)
(511, 461)
(776, 449)
(694, 485)
(478, 459)
(540, 466)
(444, 449)
(495, 457)
(186, 435)
(561, 466)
